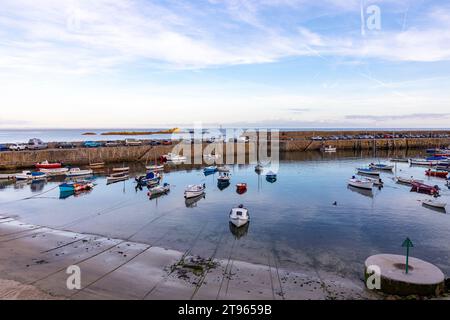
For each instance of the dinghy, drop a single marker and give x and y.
(123, 169)
(28, 175)
(75, 172)
(423, 188)
(76, 186)
(434, 203)
(362, 184)
(368, 171)
(117, 177)
(194, 190)
(241, 188)
(158, 190)
(380, 166)
(97, 165)
(239, 216)
(438, 174)
(224, 177)
(407, 181)
(155, 167)
(209, 170)
(423, 162)
(150, 178)
(47, 165)
(55, 172)
(328, 149)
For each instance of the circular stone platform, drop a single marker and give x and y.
(423, 278)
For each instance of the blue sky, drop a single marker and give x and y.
(282, 63)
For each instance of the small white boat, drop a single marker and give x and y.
(434, 203)
(123, 169)
(55, 172)
(74, 172)
(362, 184)
(239, 216)
(224, 177)
(194, 190)
(375, 181)
(407, 181)
(368, 171)
(97, 165)
(172, 157)
(223, 169)
(155, 191)
(399, 160)
(328, 149)
(7, 176)
(155, 167)
(380, 166)
(116, 177)
(28, 175)
(423, 162)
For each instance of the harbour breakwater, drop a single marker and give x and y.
(146, 153)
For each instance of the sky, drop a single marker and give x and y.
(249, 63)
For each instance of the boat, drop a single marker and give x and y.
(75, 186)
(47, 165)
(155, 167)
(362, 184)
(239, 216)
(8, 176)
(407, 181)
(443, 168)
(97, 165)
(223, 169)
(434, 203)
(238, 232)
(399, 160)
(375, 181)
(380, 166)
(271, 175)
(368, 171)
(117, 177)
(209, 170)
(172, 157)
(151, 178)
(28, 175)
(437, 158)
(241, 188)
(122, 169)
(74, 172)
(424, 188)
(224, 177)
(158, 190)
(55, 171)
(423, 162)
(259, 167)
(328, 149)
(222, 185)
(194, 190)
(438, 174)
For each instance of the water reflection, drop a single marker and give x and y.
(239, 232)
(222, 185)
(192, 202)
(364, 192)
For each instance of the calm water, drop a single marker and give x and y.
(292, 220)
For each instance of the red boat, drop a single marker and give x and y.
(439, 174)
(423, 188)
(241, 188)
(47, 165)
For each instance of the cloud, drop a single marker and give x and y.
(423, 116)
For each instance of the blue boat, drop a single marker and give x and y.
(271, 175)
(436, 158)
(150, 178)
(66, 187)
(210, 170)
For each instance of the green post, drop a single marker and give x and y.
(408, 244)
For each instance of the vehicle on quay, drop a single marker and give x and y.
(36, 144)
(92, 144)
(133, 142)
(17, 147)
(65, 145)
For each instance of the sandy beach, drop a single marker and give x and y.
(34, 260)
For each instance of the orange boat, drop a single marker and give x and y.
(439, 174)
(241, 188)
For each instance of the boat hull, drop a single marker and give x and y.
(239, 222)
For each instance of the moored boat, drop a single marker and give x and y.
(121, 169)
(399, 160)
(75, 186)
(194, 190)
(158, 190)
(434, 203)
(239, 216)
(7, 176)
(423, 162)
(424, 188)
(407, 181)
(223, 169)
(151, 178)
(438, 174)
(172, 157)
(362, 184)
(368, 171)
(74, 172)
(55, 171)
(155, 167)
(375, 181)
(97, 165)
(380, 166)
(47, 165)
(328, 149)
(241, 188)
(29, 175)
(210, 170)
(224, 177)
(117, 177)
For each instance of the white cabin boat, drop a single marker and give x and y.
(74, 172)
(55, 172)
(28, 175)
(239, 216)
(194, 190)
(362, 184)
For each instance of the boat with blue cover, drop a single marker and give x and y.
(210, 170)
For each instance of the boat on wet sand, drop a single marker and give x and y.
(194, 190)
(239, 216)
(362, 184)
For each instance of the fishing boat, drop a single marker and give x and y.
(76, 186)
(407, 181)
(28, 175)
(55, 171)
(380, 166)
(328, 149)
(368, 171)
(434, 204)
(399, 160)
(423, 162)
(194, 190)
(122, 169)
(158, 190)
(438, 174)
(47, 165)
(224, 177)
(424, 188)
(117, 177)
(241, 188)
(74, 172)
(151, 178)
(223, 169)
(362, 184)
(239, 216)
(209, 170)
(155, 167)
(97, 165)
